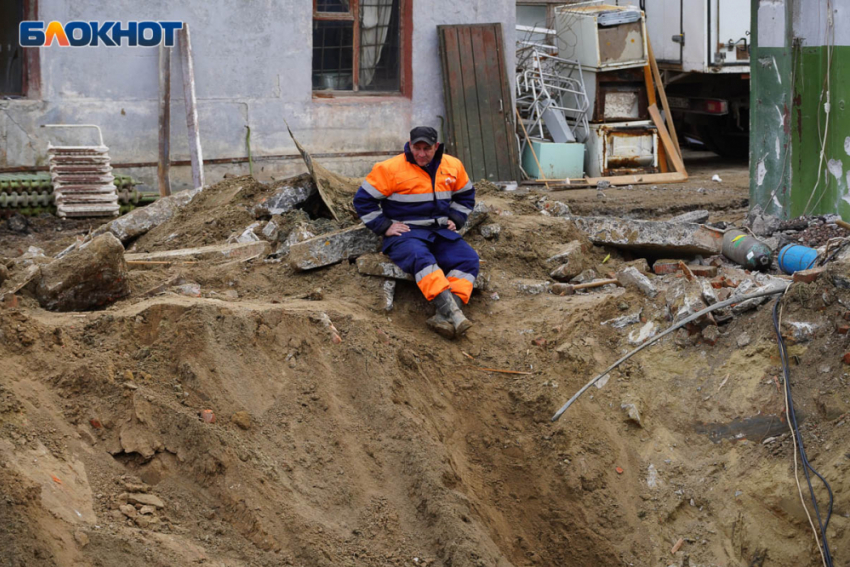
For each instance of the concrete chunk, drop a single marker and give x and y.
(651, 236)
(379, 265)
(237, 251)
(571, 260)
(480, 213)
(139, 221)
(698, 217)
(146, 500)
(631, 276)
(286, 199)
(333, 247)
(91, 277)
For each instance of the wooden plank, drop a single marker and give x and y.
(164, 163)
(662, 94)
(196, 155)
(453, 83)
(506, 83)
(492, 71)
(650, 95)
(638, 179)
(355, 64)
(678, 164)
(447, 135)
(481, 54)
(477, 163)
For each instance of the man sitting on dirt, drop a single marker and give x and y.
(418, 201)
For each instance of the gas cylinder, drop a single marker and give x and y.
(745, 250)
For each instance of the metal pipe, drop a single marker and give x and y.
(679, 325)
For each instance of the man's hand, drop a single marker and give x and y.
(397, 229)
(452, 226)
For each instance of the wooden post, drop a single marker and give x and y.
(650, 95)
(164, 121)
(188, 65)
(662, 94)
(530, 147)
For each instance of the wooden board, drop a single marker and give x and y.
(662, 94)
(188, 65)
(164, 162)
(672, 150)
(650, 96)
(480, 127)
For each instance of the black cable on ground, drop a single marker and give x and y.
(792, 418)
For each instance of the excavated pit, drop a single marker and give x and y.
(392, 446)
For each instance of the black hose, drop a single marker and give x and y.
(792, 419)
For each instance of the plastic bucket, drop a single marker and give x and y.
(795, 258)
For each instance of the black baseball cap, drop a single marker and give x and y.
(423, 134)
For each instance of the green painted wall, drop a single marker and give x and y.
(789, 127)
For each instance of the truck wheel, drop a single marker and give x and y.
(724, 143)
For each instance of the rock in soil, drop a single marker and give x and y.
(91, 277)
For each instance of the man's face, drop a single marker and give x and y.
(424, 153)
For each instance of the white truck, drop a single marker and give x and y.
(703, 50)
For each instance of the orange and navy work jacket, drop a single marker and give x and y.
(426, 198)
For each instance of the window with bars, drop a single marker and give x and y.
(357, 45)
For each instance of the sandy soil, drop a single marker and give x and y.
(394, 447)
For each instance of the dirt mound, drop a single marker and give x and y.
(393, 446)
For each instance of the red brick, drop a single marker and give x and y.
(703, 271)
(808, 276)
(847, 358)
(539, 341)
(662, 267)
(842, 329)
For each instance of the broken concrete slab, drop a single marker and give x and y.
(698, 217)
(333, 247)
(554, 208)
(651, 236)
(532, 287)
(379, 265)
(91, 277)
(298, 234)
(625, 320)
(141, 220)
(480, 213)
(490, 231)
(572, 262)
(247, 235)
(389, 293)
(285, 199)
(237, 251)
(632, 277)
(586, 276)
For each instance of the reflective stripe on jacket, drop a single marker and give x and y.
(399, 190)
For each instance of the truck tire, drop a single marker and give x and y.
(720, 140)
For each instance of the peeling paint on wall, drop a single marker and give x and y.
(836, 168)
(781, 117)
(847, 145)
(777, 148)
(761, 172)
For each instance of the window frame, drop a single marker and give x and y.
(405, 51)
(30, 64)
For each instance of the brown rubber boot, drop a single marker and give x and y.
(441, 322)
(459, 321)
